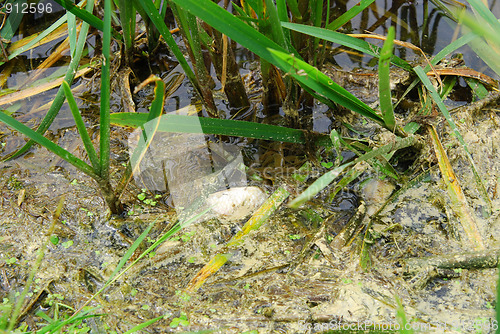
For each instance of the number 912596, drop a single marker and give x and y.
(28, 8)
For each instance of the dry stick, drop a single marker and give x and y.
(257, 219)
(224, 62)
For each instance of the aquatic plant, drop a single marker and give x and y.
(99, 167)
(273, 47)
(266, 29)
(274, 31)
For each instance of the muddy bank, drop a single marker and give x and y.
(285, 277)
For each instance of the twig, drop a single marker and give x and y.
(474, 260)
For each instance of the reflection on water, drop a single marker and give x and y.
(421, 23)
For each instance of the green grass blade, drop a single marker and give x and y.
(313, 78)
(484, 24)
(450, 48)
(13, 20)
(327, 178)
(182, 23)
(294, 9)
(72, 33)
(233, 27)
(283, 16)
(384, 80)
(56, 325)
(104, 125)
(189, 28)
(321, 183)
(486, 15)
(39, 139)
(59, 98)
(80, 125)
(439, 102)
(256, 5)
(316, 13)
(224, 127)
(401, 318)
(145, 324)
(155, 17)
(337, 145)
(85, 15)
(127, 20)
(159, 100)
(347, 16)
(243, 15)
(130, 252)
(316, 18)
(275, 25)
(347, 41)
(490, 54)
(479, 90)
(348, 177)
(489, 47)
(437, 99)
(153, 122)
(380, 164)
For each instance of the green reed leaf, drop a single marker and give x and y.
(85, 15)
(384, 80)
(321, 183)
(104, 125)
(313, 78)
(59, 98)
(157, 20)
(41, 140)
(294, 9)
(80, 125)
(327, 178)
(224, 127)
(127, 20)
(233, 27)
(13, 21)
(347, 41)
(351, 13)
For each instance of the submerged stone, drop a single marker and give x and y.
(236, 203)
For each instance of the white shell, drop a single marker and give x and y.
(236, 203)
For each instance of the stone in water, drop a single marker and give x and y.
(236, 203)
